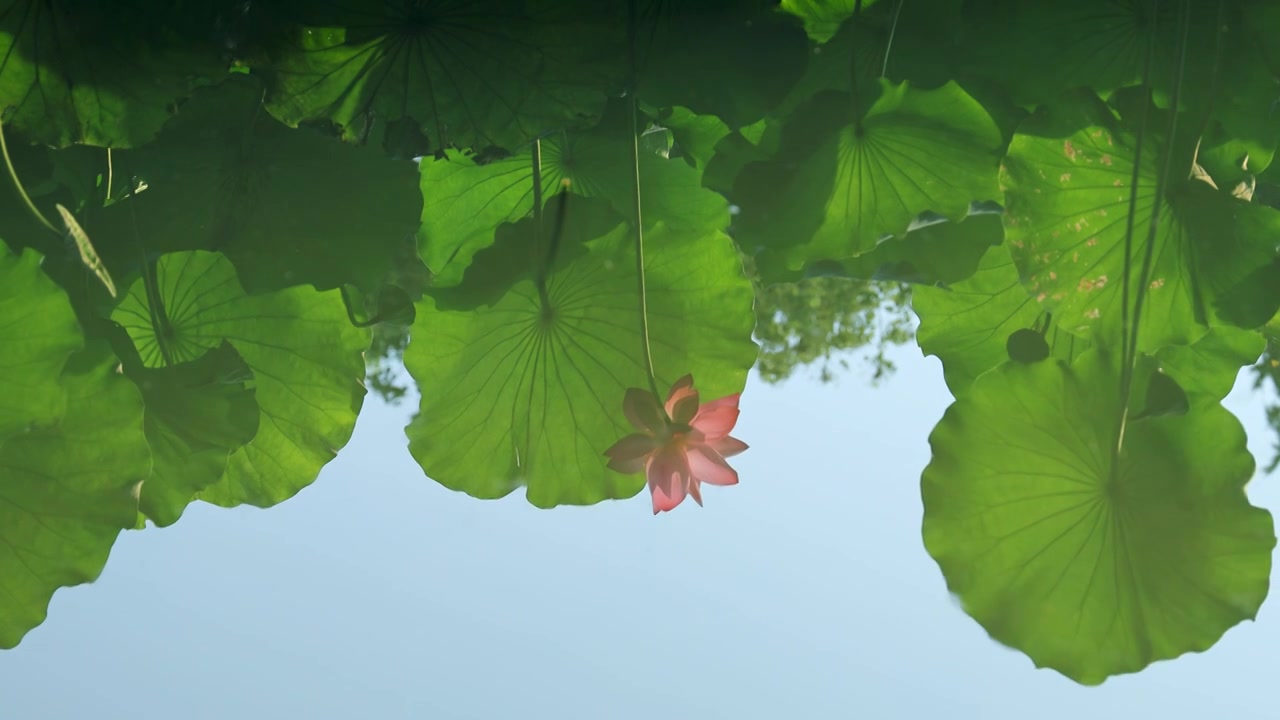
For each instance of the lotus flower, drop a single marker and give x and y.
(679, 446)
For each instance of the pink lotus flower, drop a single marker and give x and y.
(681, 445)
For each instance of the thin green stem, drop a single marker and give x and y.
(1162, 179)
(637, 218)
(17, 184)
(853, 69)
(1134, 178)
(893, 30)
(110, 174)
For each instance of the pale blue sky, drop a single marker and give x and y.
(804, 592)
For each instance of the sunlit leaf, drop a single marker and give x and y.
(67, 490)
(1067, 178)
(515, 393)
(40, 332)
(1090, 566)
(822, 18)
(1210, 366)
(84, 246)
(967, 325)
(305, 356)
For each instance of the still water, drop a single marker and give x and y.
(804, 592)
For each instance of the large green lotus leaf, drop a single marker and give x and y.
(735, 59)
(914, 151)
(66, 490)
(934, 253)
(968, 324)
(41, 332)
(1090, 566)
(305, 356)
(288, 206)
(197, 415)
(464, 202)
(464, 77)
(1067, 187)
(109, 74)
(517, 394)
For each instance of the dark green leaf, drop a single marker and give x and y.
(498, 77)
(914, 151)
(287, 206)
(197, 414)
(95, 73)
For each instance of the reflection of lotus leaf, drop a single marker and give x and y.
(513, 396)
(1093, 567)
(304, 354)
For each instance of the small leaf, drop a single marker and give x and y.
(88, 255)
(1164, 397)
(1027, 346)
(197, 415)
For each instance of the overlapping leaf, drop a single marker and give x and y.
(735, 59)
(287, 206)
(66, 490)
(95, 73)
(967, 325)
(197, 414)
(465, 78)
(1067, 178)
(1091, 564)
(913, 151)
(464, 202)
(931, 254)
(1038, 51)
(517, 393)
(305, 356)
